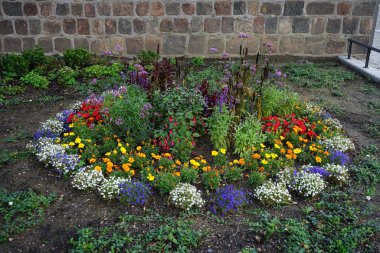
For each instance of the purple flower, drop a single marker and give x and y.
(145, 110)
(226, 55)
(228, 199)
(213, 50)
(94, 80)
(318, 170)
(243, 36)
(134, 192)
(118, 122)
(338, 157)
(118, 48)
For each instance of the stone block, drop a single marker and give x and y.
(271, 25)
(157, 9)
(110, 25)
(98, 26)
(89, 10)
(253, 8)
(364, 8)
(77, 9)
(83, 26)
(52, 26)
(212, 25)
(125, 26)
(152, 42)
(301, 25)
(243, 26)
(62, 44)
(188, 8)
(6, 27)
(12, 9)
(166, 25)
(172, 8)
(271, 8)
(154, 25)
(134, 45)
(204, 8)
(46, 44)
(272, 39)
(240, 8)
(12, 45)
(356, 49)
(21, 26)
(228, 24)
(46, 9)
(320, 8)
(139, 26)
(174, 45)
(223, 8)
(293, 8)
(197, 44)
(315, 45)
(258, 24)
(30, 9)
(252, 43)
(34, 26)
(292, 44)
(216, 42)
(335, 46)
(333, 25)
(344, 8)
(181, 25)
(103, 8)
(350, 25)
(366, 26)
(28, 43)
(98, 46)
(122, 9)
(285, 25)
(62, 9)
(318, 25)
(69, 26)
(196, 24)
(142, 9)
(81, 43)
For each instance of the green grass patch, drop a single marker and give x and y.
(7, 155)
(20, 210)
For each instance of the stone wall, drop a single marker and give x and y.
(295, 27)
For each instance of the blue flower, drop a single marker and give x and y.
(228, 199)
(338, 157)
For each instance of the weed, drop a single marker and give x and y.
(49, 99)
(374, 105)
(7, 156)
(20, 210)
(18, 136)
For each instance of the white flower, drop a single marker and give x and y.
(368, 198)
(109, 188)
(333, 124)
(10, 203)
(185, 196)
(87, 179)
(337, 172)
(308, 184)
(53, 125)
(340, 143)
(271, 193)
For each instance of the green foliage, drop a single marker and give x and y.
(218, 125)
(148, 57)
(211, 180)
(213, 75)
(232, 174)
(278, 102)
(66, 76)
(166, 235)
(247, 135)
(35, 57)
(102, 71)
(11, 90)
(189, 175)
(256, 179)
(12, 66)
(20, 210)
(197, 61)
(165, 182)
(77, 58)
(35, 80)
(318, 75)
(7, 155)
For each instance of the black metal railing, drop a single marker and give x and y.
(369, 49)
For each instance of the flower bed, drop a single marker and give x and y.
(140, 138)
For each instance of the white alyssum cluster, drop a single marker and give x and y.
(340, 143)
(308, 184)
(87, 179)
(185, 196)
(53, 125)
(271, 193)
(76, 106)
(333, 124)
(338, 173)
(65, 163)
(46, 150)
(285, 176)
(109, 188)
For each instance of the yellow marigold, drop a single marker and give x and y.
(71, 133)
(178, 162)
(98, 168)
(268, 156)
(297, 151)
(214, 153)
(276, 146)
(282, 137)
(273, 155)
(262, 145)
(256, 156)
(66, 134)
(123, 150)
(241, 161)
(223, 151)
(236, 161)
(138, 148)
(110, 164)
(71, 144)
(264, 161)
(131, 160)
(92, 160)
(108, 154)
(289, 156)
(114, 151)
(132, 172)
(109, 169)
(142, 155)
(203, 161)
(80, 145)
(326, 153)
(177, 173)
(167, 155)
(78, 140)
(294, 156)
(106, 160)
(318, 159)
(150, 177)
(71, 125)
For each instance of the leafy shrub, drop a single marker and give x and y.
(211, 179)
(77, 58)
(247, 135)
(35, 80)
(185, 196)
(213, 75)
(102, 71)
(189, 175)
(12, 66)
(278, 102)
(256, 179)
(165, 182)
(65, 76)
(148, 57)
(35, 57)
(228, 199)
(218, 125)
(134, 192)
